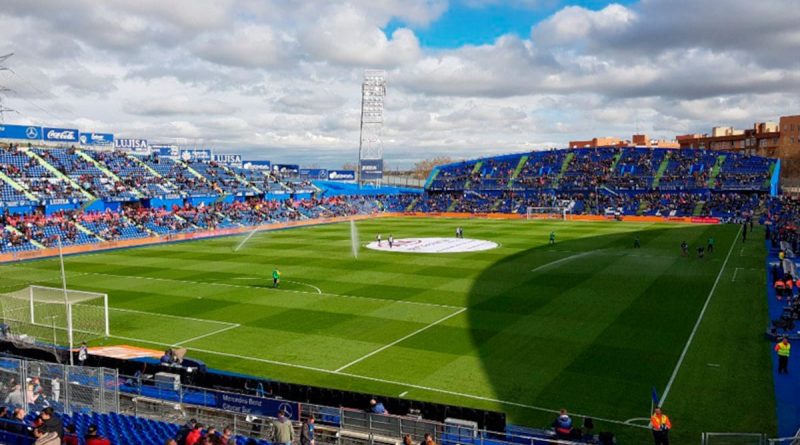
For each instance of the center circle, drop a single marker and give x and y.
(433, 245)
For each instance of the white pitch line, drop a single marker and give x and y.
(403, 394)
(218, 331)
(553, 263)
(697, 323)
(244, 286)
(735, 271)
(319, 291)
(157, 314)
(385, 347)
(379, 380)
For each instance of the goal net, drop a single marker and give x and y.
(50, 316)
(553, 212)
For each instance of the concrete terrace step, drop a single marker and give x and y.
(661, 169)
(518, 170)
(58, 174)
(18, 187)
(712, 180)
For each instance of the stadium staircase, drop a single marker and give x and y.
(13, 229)
(106, 171)
(564, 166)
(476, 169)
(617, 157)
(197, 175)
(153, 172)
(413, 203)
(768, 181)
(497, 204)
(180, 218)
(58, 174)
(661, 169)
(522, 161)
(16, 186)
(452, 205)
(698, 208)
(242, 180)
(643, 206)
(432, 177)
(712, 179)
(87, 231)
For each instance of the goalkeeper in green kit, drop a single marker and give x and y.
(276, 277)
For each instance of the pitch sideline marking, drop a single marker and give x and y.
(735, 271)
(553, 263)
(379, 380)
(697, 323)
(387, 346)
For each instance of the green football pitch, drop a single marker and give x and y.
(589, 324)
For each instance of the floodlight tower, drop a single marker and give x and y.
(3, 108)
(370, 147)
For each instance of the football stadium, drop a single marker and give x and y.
(602, 291)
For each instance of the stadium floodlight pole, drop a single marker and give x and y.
(66, 300)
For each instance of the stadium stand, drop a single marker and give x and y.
(157, 190)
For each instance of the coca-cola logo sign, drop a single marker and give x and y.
(60, 134)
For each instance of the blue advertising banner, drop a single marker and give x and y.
(341, 175)
(197, 154)
(258, 165)
(60, 134)
(286, 168)
(371, 169)
(138, 145)
(257, 406)
(165, 150)
(314, 173)
(26, 132)
(97, 138)
(228, 159)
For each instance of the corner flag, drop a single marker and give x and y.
(655, 397)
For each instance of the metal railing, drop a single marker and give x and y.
(734, 439)
(68, 389)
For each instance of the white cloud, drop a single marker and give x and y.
(281, 80)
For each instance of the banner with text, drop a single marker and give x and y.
(286, 169)
(314, 173)
(371, 169)
(68, 135)
(341, 175)
(258, 165)
(25, 132)
(97, 138)
(228, 159)
(133, 145)
(196, 154)
(165, 150)
(257, 406)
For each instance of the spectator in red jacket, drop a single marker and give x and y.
(193, 438)
(94, 438)
(70, 436)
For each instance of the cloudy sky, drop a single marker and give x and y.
(280, 79)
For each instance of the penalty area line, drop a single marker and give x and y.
(218, 331)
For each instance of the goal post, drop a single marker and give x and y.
(54, 315)
(533, 213)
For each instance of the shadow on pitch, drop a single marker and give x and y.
(590, 324)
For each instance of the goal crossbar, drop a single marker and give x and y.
(34, 309)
